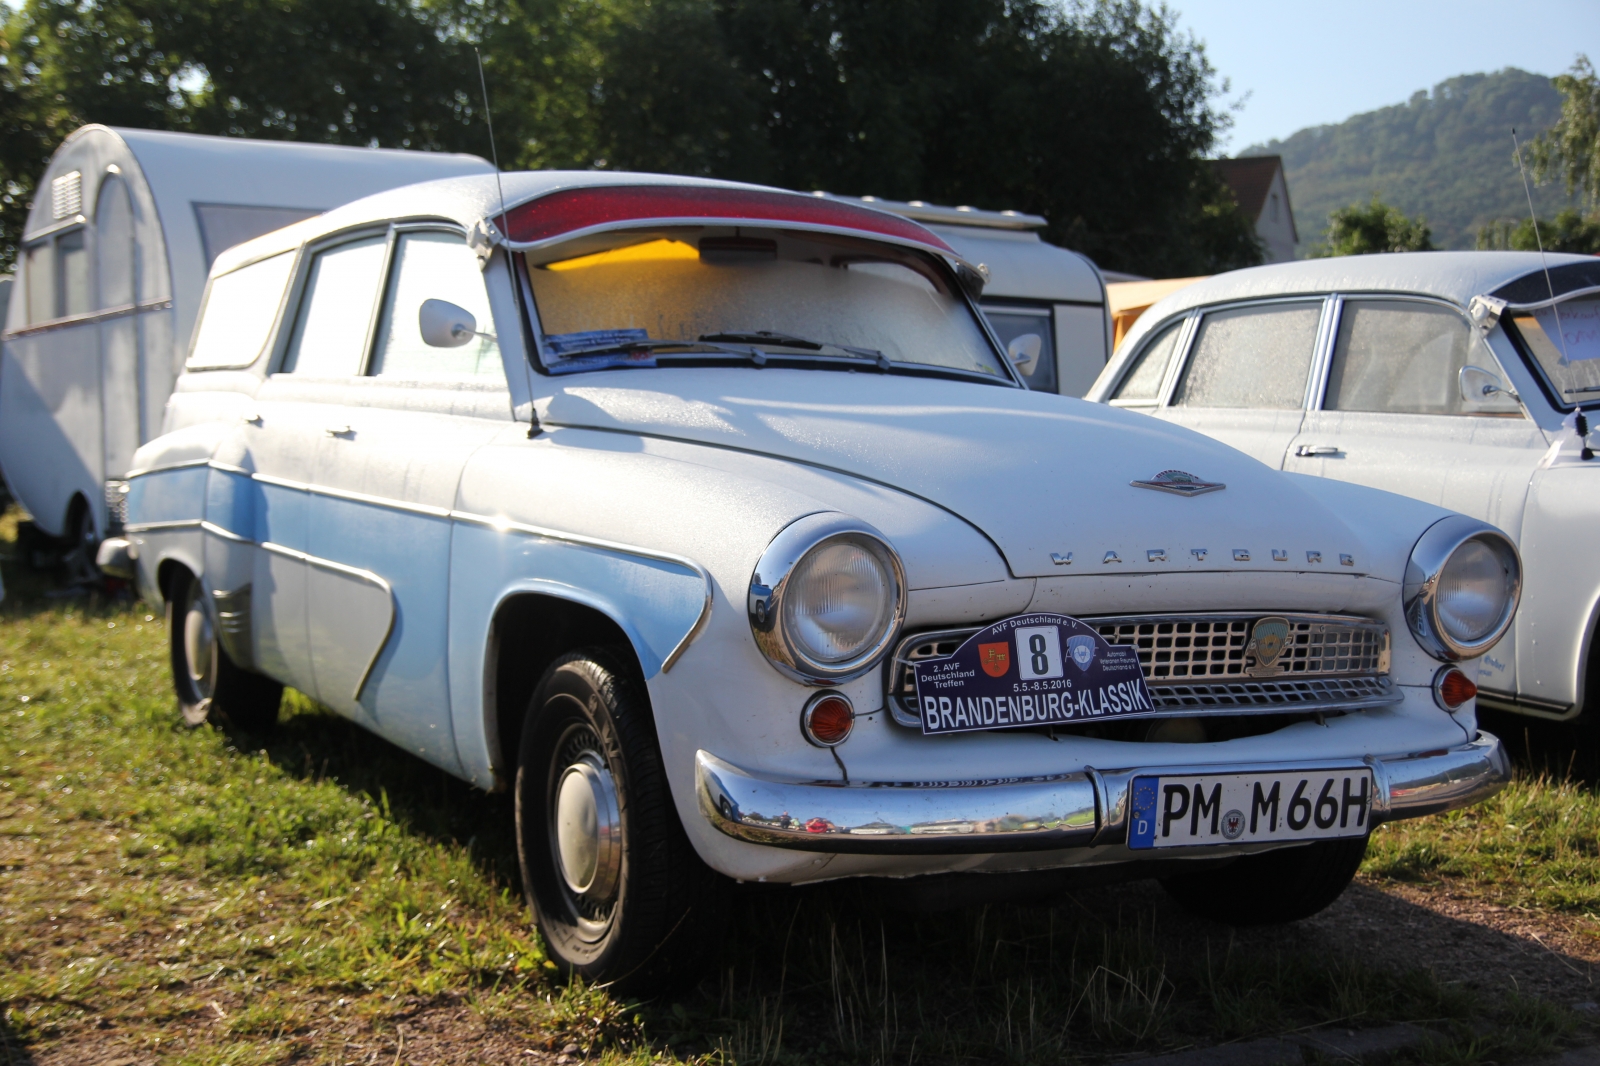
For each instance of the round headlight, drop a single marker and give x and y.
(1462, 587)
(826, 599)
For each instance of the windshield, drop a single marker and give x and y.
(693, 293)
(1568, 353)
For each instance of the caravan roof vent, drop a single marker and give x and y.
(66, 195)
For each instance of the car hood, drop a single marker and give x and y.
(1047, 478)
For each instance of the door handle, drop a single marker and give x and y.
(340, 431)
(252, 418)
(1305, 451)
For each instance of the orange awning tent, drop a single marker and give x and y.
(1130, 299)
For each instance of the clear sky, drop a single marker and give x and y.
(1306, 64)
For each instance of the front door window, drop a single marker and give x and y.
(1406, 357)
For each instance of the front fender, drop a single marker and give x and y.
(661, 603)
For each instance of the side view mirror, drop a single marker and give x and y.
(1478, 385)
(1024, 352)
(444, 325)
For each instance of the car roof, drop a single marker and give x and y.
(468, 201)
(1453, 276)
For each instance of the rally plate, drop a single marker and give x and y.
(1191, 810)
(1027, 671)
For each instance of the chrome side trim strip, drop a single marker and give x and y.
(225, 534)
(498, 524)
(1041, 813)
(360, 575)
(162, 527)
(684, 561)
(145, 470)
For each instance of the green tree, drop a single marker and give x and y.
(1570, 232)
(1362, 229)
(1571, 147)
(1097, 116)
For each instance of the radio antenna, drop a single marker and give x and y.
(494, 152)
(534, 428)
(1538, 241)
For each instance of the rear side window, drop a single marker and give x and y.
(330, 335)
(1142, 385)
(1400, 356)
(240, 308)
(1252, 357)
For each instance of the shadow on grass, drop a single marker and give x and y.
(313, 743)
(13, 1049)
(1560, 750)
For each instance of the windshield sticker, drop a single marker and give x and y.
(1578, 336)
(589, 339)
(606, 348)
(1031, 670)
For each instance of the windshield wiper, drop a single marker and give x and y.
(646, 346)
(789, 340)
(1586, 388)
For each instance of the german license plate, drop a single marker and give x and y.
(1187, 810)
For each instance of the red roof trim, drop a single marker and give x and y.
(570, 210)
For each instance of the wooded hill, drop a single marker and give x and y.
(1445, 155)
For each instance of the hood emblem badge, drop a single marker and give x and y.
(1268, 638)
(1179, 482)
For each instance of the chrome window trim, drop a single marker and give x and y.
(1419, 593)
(1322, 356)
(1199, 314)
(1318, 401)
(104, 314)
(498, 524)
(1185, 322)
(769, 582)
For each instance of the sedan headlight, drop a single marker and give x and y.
(826, 599)
(1462, 587)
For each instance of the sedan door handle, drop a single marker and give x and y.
(340, 431)
(1305, 451)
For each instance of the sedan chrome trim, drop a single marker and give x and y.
(499, 524)
(1074, 810)
(360, 575)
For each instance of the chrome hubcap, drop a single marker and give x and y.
(199, 646)
(588, 830)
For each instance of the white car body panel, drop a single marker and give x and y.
(1499, 469)
(379, 526)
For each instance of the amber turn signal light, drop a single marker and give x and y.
(1452, 688)
(827, 719)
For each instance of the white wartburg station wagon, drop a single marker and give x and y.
(714, 522)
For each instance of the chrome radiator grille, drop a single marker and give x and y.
(1201, 663)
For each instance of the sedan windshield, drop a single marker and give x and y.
(1565, 339)
(689, 294)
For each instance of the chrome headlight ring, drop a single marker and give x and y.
(1426, 595)
(772, 589)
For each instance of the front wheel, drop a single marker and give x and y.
(617, 890)
(1274, 887)
(210, 685)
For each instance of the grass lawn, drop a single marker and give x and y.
(196, 896)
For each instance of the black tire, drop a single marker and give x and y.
(632, 908)
(1272, 888)
(79, 544)
(209, 685)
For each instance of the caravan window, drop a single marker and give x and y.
(113, 238)
(39, 275)
(240, 308)
(72, 253)
(330, 337)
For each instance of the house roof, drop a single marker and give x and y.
(1250, 178)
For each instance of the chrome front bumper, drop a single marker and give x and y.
(1086, 809)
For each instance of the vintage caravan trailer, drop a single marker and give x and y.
(109, 278)
(1035, 289)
